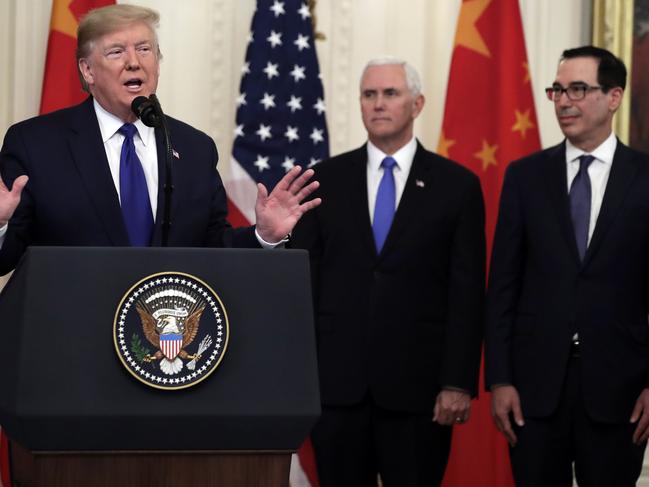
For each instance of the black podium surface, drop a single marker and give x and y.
(63, 387)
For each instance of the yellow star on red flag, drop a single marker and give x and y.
(523, 122)
(487, 155)
(444, 145)
(467, 34)
(63, 20)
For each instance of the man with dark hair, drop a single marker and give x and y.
(567, 341)
(90, 174)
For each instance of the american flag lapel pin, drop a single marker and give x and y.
(419, 183)
(175, 153)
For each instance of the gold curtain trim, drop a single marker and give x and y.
(613, 30)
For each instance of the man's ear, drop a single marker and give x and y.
(615, 99)
(86, 71)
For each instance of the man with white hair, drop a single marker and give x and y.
(397, 260)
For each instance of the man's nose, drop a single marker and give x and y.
(131, 60)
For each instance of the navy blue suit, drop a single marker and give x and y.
(393, 327)
(71, 199)
(540, 294)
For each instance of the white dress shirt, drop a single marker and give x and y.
(146, 149)
(375, 156)
(598, 172)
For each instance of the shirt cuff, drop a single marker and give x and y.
(268, 245)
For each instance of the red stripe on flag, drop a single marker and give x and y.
(489, 120)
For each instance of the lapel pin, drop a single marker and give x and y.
(419, 183)
(175, 153)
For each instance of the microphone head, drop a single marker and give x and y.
(146, 111)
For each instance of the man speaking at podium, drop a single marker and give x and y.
(93, 174)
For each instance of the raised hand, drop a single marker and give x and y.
(278, 212)
(9, 199)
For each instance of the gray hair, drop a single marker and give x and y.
(101, 21)
(412, 77)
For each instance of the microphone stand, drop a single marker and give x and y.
(168, 184)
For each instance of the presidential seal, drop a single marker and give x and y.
(171, 330)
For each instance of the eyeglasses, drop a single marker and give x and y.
(574, 92)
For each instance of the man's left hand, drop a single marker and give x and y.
(640, 415)
(278, 212)
(452, 407)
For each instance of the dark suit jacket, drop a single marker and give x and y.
(540, 293)
(403, 323)
(71, 198)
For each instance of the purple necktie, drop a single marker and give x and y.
(134, 195)
(580, 194)
(385, 204)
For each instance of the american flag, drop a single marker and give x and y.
(280, 123)
(280, 118)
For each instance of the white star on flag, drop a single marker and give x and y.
(271, 70)
(288, 163)
(304, 11)
(320, 106)
(316, 136)
(241, 99)
(291, 133)
(264, 132)
(298, 73)
(275, 38)
(245, 69)
(278, 8)
(238, 131)
(294, 103)
(262, 163)
(302, 42)
(268, 101)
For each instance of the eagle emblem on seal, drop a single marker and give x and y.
(171, 330)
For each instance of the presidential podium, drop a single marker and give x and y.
(76, 416)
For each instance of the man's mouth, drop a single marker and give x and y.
(133, 83)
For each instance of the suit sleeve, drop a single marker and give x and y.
(307, 235)
(461, 361)
(505, 278)
(219, 231)
(13, 162)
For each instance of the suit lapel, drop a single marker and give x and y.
(623, 171)
(89, 157)
(557, 184)
(359, 199)
(411, 199)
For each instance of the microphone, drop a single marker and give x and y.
(146, 110)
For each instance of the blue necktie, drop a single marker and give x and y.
(134, 195)
(580, 195)
(385, 204)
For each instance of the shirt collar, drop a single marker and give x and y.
(403, 156)
(109, 124)
(603, 153)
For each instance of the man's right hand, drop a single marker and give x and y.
(9, 199)
(505, 401)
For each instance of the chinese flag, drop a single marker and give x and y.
(61, 88)
(489, 120)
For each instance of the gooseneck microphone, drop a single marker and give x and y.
(150, 112)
